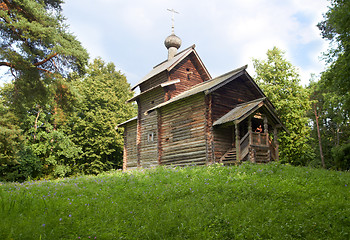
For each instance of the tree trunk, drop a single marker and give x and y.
(319, 137)
(36, 122)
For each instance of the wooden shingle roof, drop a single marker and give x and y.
(206, 87)
(240, 112)
(168, 65)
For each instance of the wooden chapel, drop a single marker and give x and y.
(187, 117)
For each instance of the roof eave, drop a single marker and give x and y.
(185, 53)
(126, 122)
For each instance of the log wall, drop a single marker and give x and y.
(236, 92)
(189, 75)
(225, 99)
(154, 81)
(130, 149)
(223, 140)
(148, 133)
(183, 132)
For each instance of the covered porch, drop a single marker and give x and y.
(250, 131)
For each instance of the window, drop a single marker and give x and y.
(150, 137)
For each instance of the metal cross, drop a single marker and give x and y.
(172, 18)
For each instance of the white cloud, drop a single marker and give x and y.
(227, 32)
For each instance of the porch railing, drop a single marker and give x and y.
(259, 138)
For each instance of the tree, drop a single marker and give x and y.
(37, 48)
(104, 92)
(35, 39)
(45, 147)
(333, 123)
(336, 28)
(335, 81)
(280, 81)
(10, 139)
(17, 161)
(40, 53)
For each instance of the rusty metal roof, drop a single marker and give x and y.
(206, 87)
(240, 112)
(170, 64)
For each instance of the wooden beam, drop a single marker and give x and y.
(251, 156)
(238, 142)
(266, 131)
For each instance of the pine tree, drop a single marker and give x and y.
(34, 38)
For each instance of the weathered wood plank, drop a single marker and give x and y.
(183, 131)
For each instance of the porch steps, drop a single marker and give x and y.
(262, 156)
(229, 157)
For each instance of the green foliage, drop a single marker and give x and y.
(28, 166)
(37, 49)
(17, 161)
(73, 128)
(103, 92)
(271, 201)
(35, 38)
(10, 136)
(280, 81)
(333, 122)
(335, 28)
(55, 149)
(341, 155)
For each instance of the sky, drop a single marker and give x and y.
(227, 33)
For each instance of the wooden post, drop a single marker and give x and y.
(210, 154)
(266, 131)
(238, 142)
(250, 154)
(275, 139)
(250, 130)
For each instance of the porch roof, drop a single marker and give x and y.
(240, 112)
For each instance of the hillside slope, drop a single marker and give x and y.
(270, 201)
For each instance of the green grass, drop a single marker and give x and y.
(270, 201)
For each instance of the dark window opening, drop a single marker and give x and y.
(150, 137)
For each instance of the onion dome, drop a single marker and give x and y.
(172, 41)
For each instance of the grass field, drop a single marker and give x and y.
(272, 201)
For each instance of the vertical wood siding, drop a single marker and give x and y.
(183, 132)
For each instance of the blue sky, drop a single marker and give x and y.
(227, 33)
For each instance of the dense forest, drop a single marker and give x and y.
(58, 115)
